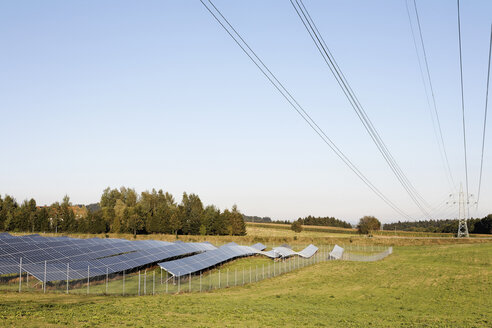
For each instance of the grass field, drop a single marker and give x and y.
(417, 286)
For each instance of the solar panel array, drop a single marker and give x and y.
(227, 252)
(113, 264)
(85, 257)
(65, 258)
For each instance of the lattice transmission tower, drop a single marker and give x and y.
(463, 212)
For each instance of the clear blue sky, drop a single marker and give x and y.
(155, 94)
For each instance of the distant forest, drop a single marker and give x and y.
(324, 221)
(123, 211)
(308, 220)
(483, 225)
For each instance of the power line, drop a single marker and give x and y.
(327, 56)
(294, 104)
(463, 109)
(485, 118)
(440, 138)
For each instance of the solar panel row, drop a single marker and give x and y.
(199, 262)
(203, 261)
(113, 264)
(113, 255)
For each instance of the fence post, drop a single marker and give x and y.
(243, 275)
(210, 280)
(68, 270)
(123, 282)
(20, 275)
(88, 281)
(139, 283)
(107, 272)
(179, 281)
(200, 281)
(274, 267)
(167, 279)
(145, 282)
(189, 282)
(153, 282)
(263, 271)
(250, 274)
(227, 279)
(235, 277)
(27, 280)
(161, 276)
(44, 282)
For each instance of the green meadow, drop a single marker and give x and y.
(416, 286)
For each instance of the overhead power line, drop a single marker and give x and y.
(219, 17)
(329, 59)
(463, 111)
(485, 118)
(436, 122)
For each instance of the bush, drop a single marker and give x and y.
(296, 226)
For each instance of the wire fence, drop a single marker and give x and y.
(153, 280)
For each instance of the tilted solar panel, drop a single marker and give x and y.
(259, 246)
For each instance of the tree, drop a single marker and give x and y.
(236, 221)
(296, 226)
(192, 211)
(368, 224)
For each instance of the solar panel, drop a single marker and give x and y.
(259, 246)
(337, 252)
(308, 251)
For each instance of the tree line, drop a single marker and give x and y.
(308, 220)
(324, 221)
(123, 210)
(475, 225)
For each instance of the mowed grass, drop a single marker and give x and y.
(417, 286)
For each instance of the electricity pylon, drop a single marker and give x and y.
(462, 217)
(463, 212)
